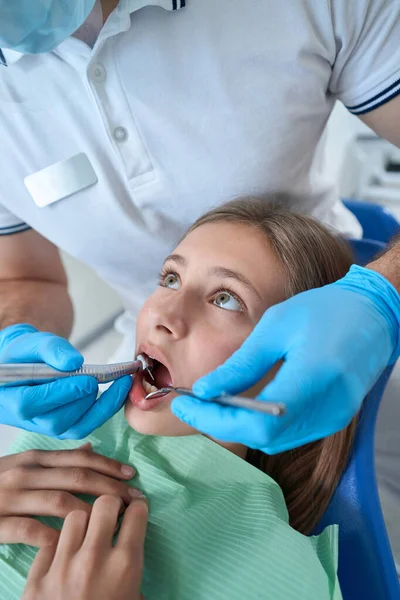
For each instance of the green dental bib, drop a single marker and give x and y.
(218, 527)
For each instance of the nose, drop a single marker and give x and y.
(170, 317)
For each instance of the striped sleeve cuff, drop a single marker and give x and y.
(390, 91)
(11, 229)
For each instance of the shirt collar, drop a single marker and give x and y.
(9, 57)
(167, 4)
(133, 5)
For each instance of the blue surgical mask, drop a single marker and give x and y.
(35, 26)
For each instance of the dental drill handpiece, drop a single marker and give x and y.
(15, 374)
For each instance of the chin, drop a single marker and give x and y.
(159, 423)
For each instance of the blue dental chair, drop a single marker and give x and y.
(366, 566)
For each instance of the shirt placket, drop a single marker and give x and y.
(109, 95)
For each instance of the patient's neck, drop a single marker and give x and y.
(237, 449)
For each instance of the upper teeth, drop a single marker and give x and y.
(148, 388)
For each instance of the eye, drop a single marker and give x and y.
(228, 301)
(170, 280)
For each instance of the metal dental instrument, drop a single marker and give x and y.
(269, 408)
(14, 374)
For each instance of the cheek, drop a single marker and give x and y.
(214, 346)
(143, 318)
(146, 307)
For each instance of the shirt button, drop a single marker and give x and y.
(120, 134)
(98, 73)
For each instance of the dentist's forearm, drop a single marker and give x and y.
(45, 305)
(388, 264)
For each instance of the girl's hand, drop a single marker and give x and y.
(42, 483)
(84, 565)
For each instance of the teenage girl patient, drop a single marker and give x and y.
(234, 263)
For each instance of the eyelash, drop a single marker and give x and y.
(163, 275)
(165, 272)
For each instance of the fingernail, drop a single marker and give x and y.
(137, 494)
(177, 412)
(126, 470)
(87, 445)
(199, 388)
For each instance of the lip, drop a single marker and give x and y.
(137, 393)
(154, 352)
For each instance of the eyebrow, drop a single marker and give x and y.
(219, 272)
(180, 260)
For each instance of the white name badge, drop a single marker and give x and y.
(61, 180)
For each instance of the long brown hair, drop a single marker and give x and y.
(311, 256)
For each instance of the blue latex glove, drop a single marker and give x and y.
(335, 340)
(66, 408)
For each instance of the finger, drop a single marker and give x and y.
(241, 371)
(223, 423)
(295, 385)
(84, 457)
(43, 347)
(10, 461)
(55, 422)
(13, 331)
(102, 523)
(33, 457)
(9, 334)
(75, 479)
(106, 406)
(86, 446)
(133, 529)
(42, 563)
(46, 503)
(23, 530)
(72, 536)
(72, 396)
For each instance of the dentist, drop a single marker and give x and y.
(120, 123)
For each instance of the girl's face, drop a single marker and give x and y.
(213, 290)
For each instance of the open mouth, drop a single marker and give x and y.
(160, 376)
(143, 384)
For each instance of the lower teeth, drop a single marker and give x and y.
(148, 388)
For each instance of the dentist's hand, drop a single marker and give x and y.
(335, 342)
(85, 565)
(67, 408)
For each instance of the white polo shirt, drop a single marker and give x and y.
(179, 110)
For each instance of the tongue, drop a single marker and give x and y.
(162, 377)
